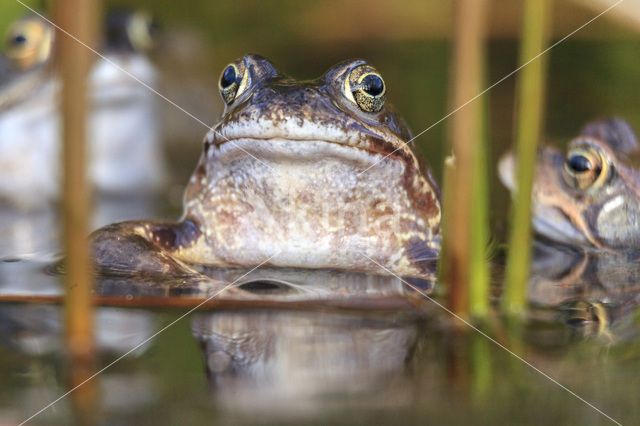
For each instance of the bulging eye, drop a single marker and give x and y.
(140, 30)
(585, 167)
(365, 87)
(28, 43)
(233, 82)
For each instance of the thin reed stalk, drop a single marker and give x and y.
(531, 87)
(78, 17)
(464, 223)
(479, 265)
(480, 351)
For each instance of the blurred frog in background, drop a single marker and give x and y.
(125, 156)
(586, 211)
(590, 195)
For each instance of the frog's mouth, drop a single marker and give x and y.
(283, 150)
(552, 222)
(109, 86)
(291, 137)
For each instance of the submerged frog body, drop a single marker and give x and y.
(312, 174)
(589, 196)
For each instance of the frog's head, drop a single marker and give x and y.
(346, 108)
(590, 195)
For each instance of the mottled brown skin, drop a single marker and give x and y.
(296, 174)
(602, 213)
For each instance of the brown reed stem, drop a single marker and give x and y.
(459, 266)
(80, 18)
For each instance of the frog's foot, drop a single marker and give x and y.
(123, 249)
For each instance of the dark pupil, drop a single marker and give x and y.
(228, 77)
(372, 84)
(579, 163)
(19, 39)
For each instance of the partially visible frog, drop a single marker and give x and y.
(125, 155)
(283, 179)
(590, 196)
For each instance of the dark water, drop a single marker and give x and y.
(334, 348)
(326, 347)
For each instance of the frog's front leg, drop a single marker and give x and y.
(145, 252)
(140, 248)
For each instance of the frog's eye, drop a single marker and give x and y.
(585, 167)
(365, 87)
(234, 80)
(28, 43)
(140, 28)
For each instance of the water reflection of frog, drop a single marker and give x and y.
(280, 180)
(589, 196)
(123, 129)
(258, 361)
(595, 293)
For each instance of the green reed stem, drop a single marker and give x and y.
(481, 369)
(464, 226)
(531, 86)
(479, 285)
